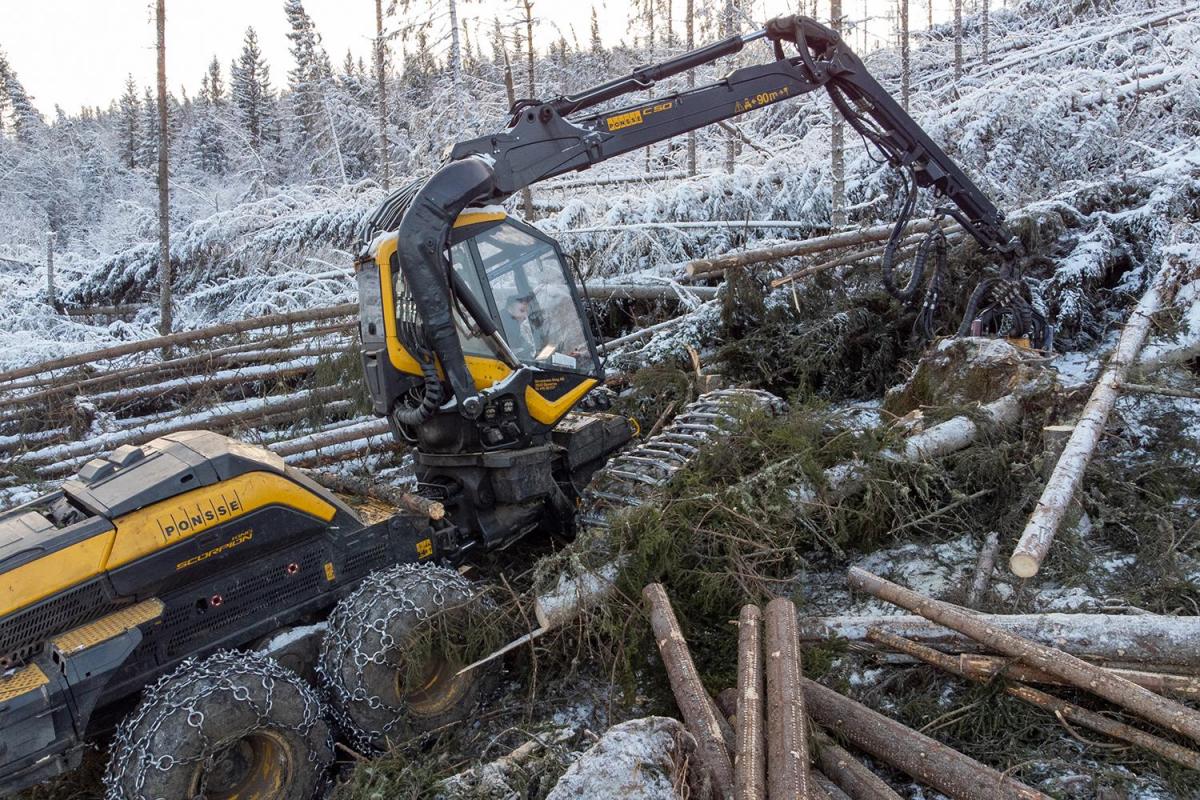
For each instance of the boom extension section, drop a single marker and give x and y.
(545, 139)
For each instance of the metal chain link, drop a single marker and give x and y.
(358, 631)
(185, 691)
(629, 478)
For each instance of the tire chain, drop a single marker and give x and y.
(131, 746)
(348, 626)
(633, 475)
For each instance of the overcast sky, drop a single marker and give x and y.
(78, 52)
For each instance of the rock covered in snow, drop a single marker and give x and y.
(642, 759)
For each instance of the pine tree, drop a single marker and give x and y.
(212, 86)
(130, 124)
(27, 122)
(147, 147)
(597, 45)
(306, 79)
(250, 86)
(470, 62)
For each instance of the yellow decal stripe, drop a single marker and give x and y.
(109, 627)
(163, 524)
(23, 680)
(53, 572)
(549, 412)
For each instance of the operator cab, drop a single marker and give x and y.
(535, 367)
(521, 275)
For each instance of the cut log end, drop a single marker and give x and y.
(1024, 565)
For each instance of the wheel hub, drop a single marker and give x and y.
(257, 766)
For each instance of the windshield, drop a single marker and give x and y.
(537, 312)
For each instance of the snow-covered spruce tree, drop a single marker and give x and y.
(27, 123)
(209, 153)
(250, 90)
(307, 80)
(129, 111)
(147, 142)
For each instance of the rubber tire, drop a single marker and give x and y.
(359, 668)
(233, 691)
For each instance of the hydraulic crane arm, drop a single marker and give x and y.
(545, 139)
(540, 142)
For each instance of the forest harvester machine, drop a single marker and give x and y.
(138, 595)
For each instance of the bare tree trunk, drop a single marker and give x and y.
(456, 59)
(164, 200)
(1058, 496)
(929, 761)
(1169, 642)
(983, 569)
(1060, 708)
(749, 768)
(691, 79)
(986, 32)
(905, 67)
(385, 162)
(51, 296)
(988, 667)
(958, 40)
(529, 56)
(1136, 699)
(727, 28)
(787, 724)
(929, 8)
(848, 772)
(526, 194)
(710, 266)
(837, 216)
(650, 8)
(694, 703)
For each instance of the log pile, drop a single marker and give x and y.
(264, 379)
(795, 738)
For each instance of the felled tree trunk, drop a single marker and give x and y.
(182, 337)
(749, 768)
(1145, 638)
(983, 569)
(1149, 706)
(1060, 490)
(849, 773)
(693, 701)
(925, 759)
(958, 432)
(711, 266)
(1061, 708)
(787, 725)
(988, 667)
(410, 502)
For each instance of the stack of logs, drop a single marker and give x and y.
(793, 756)
(254, 377)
